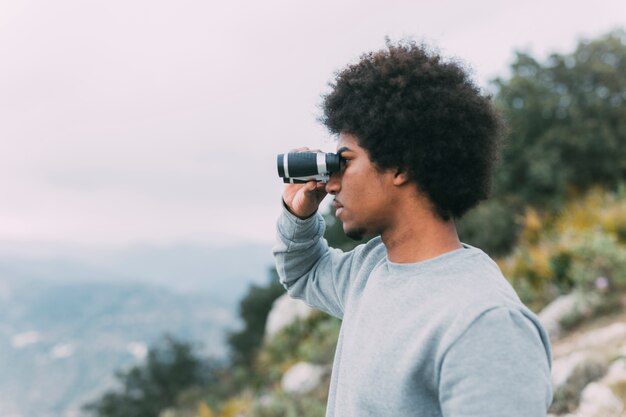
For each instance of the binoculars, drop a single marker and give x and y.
(301, 167)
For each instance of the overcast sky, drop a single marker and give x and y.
(148, 121)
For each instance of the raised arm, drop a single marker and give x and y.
(307, 267)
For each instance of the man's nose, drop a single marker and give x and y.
(334, 183)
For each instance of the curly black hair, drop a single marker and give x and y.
(412, 110)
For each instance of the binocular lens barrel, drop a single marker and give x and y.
(299, 167)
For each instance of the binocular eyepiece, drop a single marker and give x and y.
(301, 167)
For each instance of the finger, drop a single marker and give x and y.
(304, 149)
(311, 186)
(296, 150)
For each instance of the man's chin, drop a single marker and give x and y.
(355, 234)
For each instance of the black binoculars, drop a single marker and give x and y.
(301, 167)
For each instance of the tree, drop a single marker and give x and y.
(171, 367)
(253, 311)
(567, 121)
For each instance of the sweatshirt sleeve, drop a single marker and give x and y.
(307, 267)
(500, 366)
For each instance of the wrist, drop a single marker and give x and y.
(298, 215)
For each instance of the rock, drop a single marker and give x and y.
(285, 311)
(597, 400)
(570, 376)
(563, 368)
(302, 378)
(600, 338)
(555, 312)
(569, 310)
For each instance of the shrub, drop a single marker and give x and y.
(310, 340)
(582, 249)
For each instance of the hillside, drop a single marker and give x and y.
(589, 368)
(570, 269)
(60, 343)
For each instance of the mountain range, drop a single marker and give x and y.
(69, 322)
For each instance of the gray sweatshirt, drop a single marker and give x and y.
(444, 337)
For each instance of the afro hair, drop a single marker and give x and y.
(413, 111)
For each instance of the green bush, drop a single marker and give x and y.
(310, 340)
(492, 227)
(279, 404)
(598, 262)
(253, 311)
(580, 249)
(171, 368)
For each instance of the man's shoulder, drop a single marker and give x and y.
(477, 278)
(489, 300)
(474, 287)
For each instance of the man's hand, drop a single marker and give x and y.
(302, 200)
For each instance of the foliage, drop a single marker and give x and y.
(311, 340)
(282, 405)
(236, 406)
(171, 367)
(253, 310)
(492, 226)
(567, 122)
(583, 249)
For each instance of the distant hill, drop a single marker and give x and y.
(60, 343)
(224, 271)
(69, 321)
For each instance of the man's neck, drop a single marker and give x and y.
(417, 234)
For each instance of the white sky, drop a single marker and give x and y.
(144, 121)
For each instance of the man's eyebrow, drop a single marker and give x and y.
(342, 150)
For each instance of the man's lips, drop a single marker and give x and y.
(337, 205)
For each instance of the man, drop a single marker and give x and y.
(430, 327)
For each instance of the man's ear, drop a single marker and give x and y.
(400, 177)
